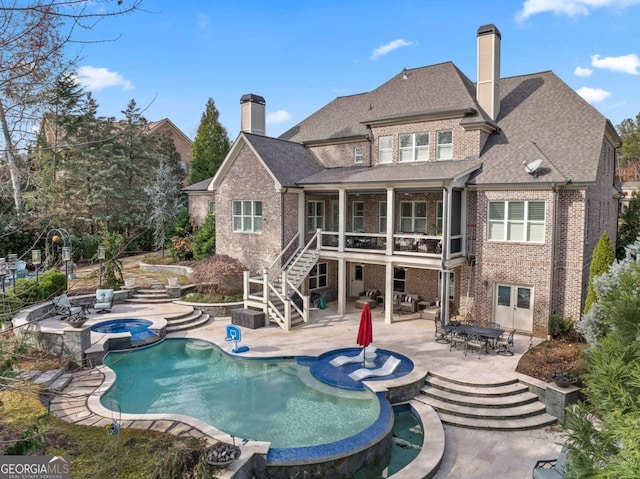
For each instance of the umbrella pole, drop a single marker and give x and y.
(364, 356)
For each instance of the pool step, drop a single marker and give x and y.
(502, 406)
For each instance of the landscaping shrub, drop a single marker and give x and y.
(204, 240)
(182, 247)
(560, 327)
(85, 247)
(218, 274)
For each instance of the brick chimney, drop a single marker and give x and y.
(252, 111)
(488, 86)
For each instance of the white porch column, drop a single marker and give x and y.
(342, 286)
(302, 216)
(388, 293)
(390, 210)
(342, 211)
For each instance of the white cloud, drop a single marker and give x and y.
(279, 116)
(389, 47)
(569, 7)
(593, 95)
(582, 72)
(95, 79)
(624, 64)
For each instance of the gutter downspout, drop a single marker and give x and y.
(554, 189)
(370, 139)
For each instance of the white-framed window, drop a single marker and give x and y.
(413, 146)
(439, 216)
(385, 149)
(247, 216)
(413, 216)
(522, 221)
(315, 215)
(357, 216)
(444, 145)
(211, 208)
(318, 276)
(335, 216)
(358, 155)
(382, 217)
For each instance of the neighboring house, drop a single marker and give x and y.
(628, 189)
(51, 133)
(425, 185)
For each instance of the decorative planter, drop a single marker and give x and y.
(222, 454)
(76, 323)
(173, 281)
(129, 282)
(563, 379)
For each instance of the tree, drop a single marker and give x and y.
(204, 240)
(600, 262)
(629, 229)
(33, 38)
(629, 131)
(609, 447)
(164, 196)
(210, 146)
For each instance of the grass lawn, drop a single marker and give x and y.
(134, 453)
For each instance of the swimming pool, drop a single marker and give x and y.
(126, 325)
(274, 400)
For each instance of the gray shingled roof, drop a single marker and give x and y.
(542, 117)
(404, 172)
(436, 88)
(289, 162)
(199, 186)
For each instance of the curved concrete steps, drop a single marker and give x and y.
(502, 406)
(184, 321)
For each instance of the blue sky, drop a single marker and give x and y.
(300, 55)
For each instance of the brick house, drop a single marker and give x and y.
(486, 197)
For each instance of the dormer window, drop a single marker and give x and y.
(444, 145)
(414, 146)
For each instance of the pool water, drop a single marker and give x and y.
(259, 399)
(132, 326)
(407, 440)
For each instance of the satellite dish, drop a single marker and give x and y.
(532, 168)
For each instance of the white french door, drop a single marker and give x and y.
(513, 307)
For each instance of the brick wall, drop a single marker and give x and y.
(342, 154)
(199, 206)
(248, 180)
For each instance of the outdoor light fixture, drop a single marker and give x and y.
(3, 275)
(36, 259)
(66, 257)
(101, 255)
(13, 260)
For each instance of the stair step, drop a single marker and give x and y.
(152, 291)
(61, 382)
(526, 397)
(481, 412)
(519, 424)
(202, 320)
(47, 377)
(478, 390)
(505, 382)
(180, 315)
(193, 316)
(149, 300)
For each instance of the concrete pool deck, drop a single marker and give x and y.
(468, 453)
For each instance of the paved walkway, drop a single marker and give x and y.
(468, 453)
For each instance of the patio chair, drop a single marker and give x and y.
(458, 340)
(442, 335)
(551, 468)
(409, 303)
(104, 300)
(358, 358)
(387, 368)
(475, 342)
(504, 345)
(66, 308)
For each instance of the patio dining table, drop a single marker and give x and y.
(490, 334)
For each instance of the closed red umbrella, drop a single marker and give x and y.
(365, 331)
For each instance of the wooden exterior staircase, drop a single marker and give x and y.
(277, 291)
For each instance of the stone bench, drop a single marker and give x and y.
(248, 318)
